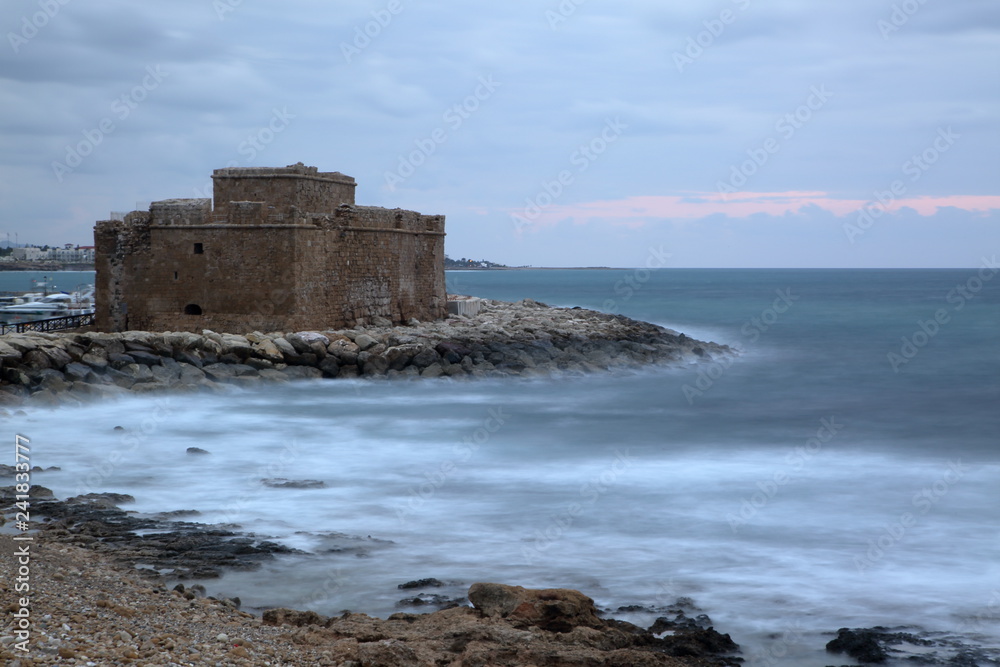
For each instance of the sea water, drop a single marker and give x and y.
(842, 471)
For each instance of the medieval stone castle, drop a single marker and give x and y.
(284, 249)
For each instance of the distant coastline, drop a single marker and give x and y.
(46, 266)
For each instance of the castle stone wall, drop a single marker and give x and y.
(183, 266)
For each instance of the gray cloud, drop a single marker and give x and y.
(360, 103)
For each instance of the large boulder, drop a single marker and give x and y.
(266, 349)
(552, 609)
(365, 342)
(238, 345)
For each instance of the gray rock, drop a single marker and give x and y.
(9, 354)
(96, 358)
(191, 374)
(365, 342)
(58, 357)
(349, 371)
(219, 372)
(16, 375)
(119, 360)
(138, 372)
(432, 371)
(49, 378)
(186, 357)
(399, 356)
(303, 373)
(238, 345)
(36, 360)
(330, 367)
(282, 483)
(146, 358)
(273, 375)
(425, 358)
(286, 348)
(77, 372)
(165, 374)
(375, 365)
(267, 350)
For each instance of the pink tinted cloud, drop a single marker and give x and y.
(636, 211)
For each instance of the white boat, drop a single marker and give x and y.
(40, 307)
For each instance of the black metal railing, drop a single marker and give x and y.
(50, 324)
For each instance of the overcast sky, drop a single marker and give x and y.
(731, 133)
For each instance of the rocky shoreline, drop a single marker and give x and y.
(504, 339)
(104, 591)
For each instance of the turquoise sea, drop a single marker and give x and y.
(844, 470)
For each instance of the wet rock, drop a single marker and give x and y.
(330, 367)
(283, 616)
(431, 600)
(196, 451)
(553, 609)
(452, 351)
(862, 645)
(118, 360)
(365, 342)
(282, 483)
(106, 499)
(421, 583)
(147, 357)
(78, 372)
(35, 492)
(432, 371)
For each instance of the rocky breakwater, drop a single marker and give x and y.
(502, 339)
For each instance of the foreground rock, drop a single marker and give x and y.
(507, 626)
(86, 610)
(504, 339)
(177, 549)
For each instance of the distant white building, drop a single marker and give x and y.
(67, 253)
(72, 254)
(29, 254)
